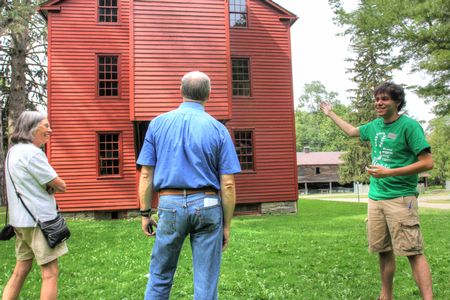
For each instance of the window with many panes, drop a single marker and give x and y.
(243, 142)
(107, 11)
(241, 76)
(109, 154)
(108, 76)
(238, 13)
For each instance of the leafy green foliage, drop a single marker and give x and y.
(313, 94)
(320, 253)
(370, 31)
(313, 128)
(356, 158)
(408, 31)
(439, 139)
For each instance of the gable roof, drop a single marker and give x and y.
(319, 158)
(286, 14)
(49, 5)
(53, 5)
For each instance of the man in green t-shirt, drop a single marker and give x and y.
(399, 153)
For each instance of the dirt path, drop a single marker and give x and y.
(425, 200)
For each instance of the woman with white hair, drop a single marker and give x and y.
(36, 181)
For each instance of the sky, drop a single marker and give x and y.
(318, 54)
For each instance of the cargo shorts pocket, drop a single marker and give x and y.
(166, 220)
(410, 237)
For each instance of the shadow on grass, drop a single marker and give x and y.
(319, 253)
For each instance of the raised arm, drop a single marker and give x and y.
(228, 195)
(346, 127)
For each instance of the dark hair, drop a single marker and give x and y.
(394, 91)
(25, 126)
(196, 86)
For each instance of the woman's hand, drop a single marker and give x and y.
(50, 190)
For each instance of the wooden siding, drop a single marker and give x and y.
(328, 173)
(174, 37)
(269, 110)
(167, 39)
(76, 114)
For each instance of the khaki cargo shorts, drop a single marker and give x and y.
(31, 243)
(393, 224)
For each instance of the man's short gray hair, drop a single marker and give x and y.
(196, 86)
(26, 125)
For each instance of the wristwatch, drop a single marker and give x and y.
(146, 213)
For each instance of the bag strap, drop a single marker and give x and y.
(15, 188)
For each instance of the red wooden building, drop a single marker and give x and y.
(116, 64)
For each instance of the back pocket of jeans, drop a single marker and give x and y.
(411, 238)
(210, 217)
(166, 220)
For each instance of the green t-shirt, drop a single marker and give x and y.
(394, 145)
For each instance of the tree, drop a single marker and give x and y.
(424, 36)
(373, 64)
(409, 31)
(439, 147)
(314, 93)
(23, 74)
(313, 128)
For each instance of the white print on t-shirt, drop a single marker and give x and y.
(382, 155)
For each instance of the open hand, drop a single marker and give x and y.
(378, 171)
(326, 107)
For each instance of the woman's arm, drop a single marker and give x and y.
(57, 185)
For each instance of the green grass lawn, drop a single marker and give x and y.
(333, 196)
(318, 254)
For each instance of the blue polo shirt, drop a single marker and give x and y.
(189, 149)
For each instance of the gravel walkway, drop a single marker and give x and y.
(424, 200)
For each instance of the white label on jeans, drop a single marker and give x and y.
(209, 202)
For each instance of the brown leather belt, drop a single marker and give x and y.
(207, 191)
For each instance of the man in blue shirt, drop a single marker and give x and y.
(188, 157)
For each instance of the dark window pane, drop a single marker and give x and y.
(108, 11)
(109, 154)
(240, 77)
(244, 148)
(108, 76)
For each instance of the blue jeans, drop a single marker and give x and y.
(201, 217)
